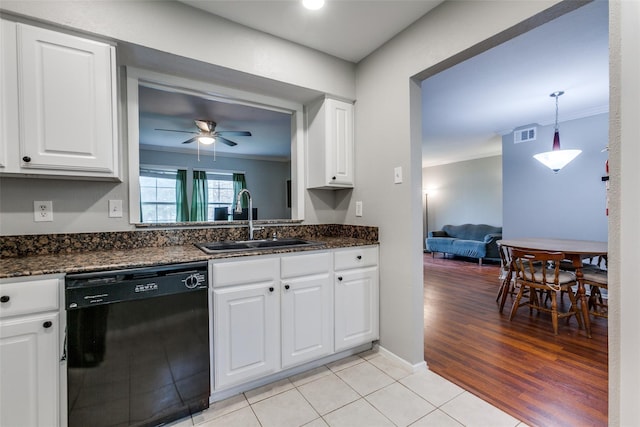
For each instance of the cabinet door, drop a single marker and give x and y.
(339, 142)
(67, 94)
(330, 161)
(29, 366)
(356, 307)
(307, 319)
(245, 332)
(8, 98)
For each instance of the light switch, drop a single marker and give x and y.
(115, 208)
(359, 208)
(397, 175)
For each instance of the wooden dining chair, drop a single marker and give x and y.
(507, 275)
(539, 272)
(595, 275)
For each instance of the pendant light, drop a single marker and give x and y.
(556, 159)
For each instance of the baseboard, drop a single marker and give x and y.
(417, 367)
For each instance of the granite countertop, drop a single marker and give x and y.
(141, 257)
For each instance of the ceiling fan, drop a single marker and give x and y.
(207, 133)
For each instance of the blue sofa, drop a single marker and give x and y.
(468, 240)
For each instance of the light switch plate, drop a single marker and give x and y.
(115, 208)
(359, 208)
(397, 175)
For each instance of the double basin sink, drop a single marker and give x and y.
(253, 245)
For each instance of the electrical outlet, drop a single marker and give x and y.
(397, 175)
(115, 208)
(42, 211)
(359, 208)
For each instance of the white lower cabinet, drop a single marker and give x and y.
(29, 353)
(356, 297)
(306, 308)
(272, 313)
(246, 320)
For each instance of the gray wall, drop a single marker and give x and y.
(569, 204)
(266, 180)
(464, 192)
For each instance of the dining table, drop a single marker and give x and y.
(574, 250)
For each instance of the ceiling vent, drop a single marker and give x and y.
(524, 135)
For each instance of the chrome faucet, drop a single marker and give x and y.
(250, 213)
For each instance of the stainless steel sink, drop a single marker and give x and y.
(252, 245)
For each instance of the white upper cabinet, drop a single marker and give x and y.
(66, 105)
(330, 144)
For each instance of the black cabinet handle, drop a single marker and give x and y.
(5, 298)
(286, 287)
(47, 324)
(359, 257)
(271, 289)
(333, 178)
(340, 278)
(26, 159)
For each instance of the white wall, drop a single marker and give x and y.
(464, 192)
(624, 227)
(569, 204)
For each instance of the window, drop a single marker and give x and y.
(220, 192)
(157, 196)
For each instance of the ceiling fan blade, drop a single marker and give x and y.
(225, 141)
(233, 132)
(189, 141)
(173, 130)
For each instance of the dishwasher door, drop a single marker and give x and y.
(138, 351)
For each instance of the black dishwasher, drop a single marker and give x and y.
(137, 345)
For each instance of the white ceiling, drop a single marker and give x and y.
(347, 29)
(466, 108)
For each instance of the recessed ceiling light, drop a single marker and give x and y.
(313, 4)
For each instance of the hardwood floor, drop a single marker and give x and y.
(518, 366)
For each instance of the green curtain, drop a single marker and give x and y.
(182, 205)
(239, 184)
(199, 202)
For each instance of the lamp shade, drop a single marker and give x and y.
(557, 159)
(206, 140)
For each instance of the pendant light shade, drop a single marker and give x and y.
(556, 159)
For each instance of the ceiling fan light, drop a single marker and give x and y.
(206, 140)
(313, 4)
(557, 159)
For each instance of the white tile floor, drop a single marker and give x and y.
(367, 389)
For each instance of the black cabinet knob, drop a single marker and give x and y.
(286, 287)
(26, 159)
(47, 324)
(5, 298)
(333, 178)
(359, 257)
(271, 289)
(340, 278)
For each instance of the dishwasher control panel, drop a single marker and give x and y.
(106, 287)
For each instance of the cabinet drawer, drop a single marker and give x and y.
(355, 258)
(255, 270)
(29, 297)
(305, 265)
